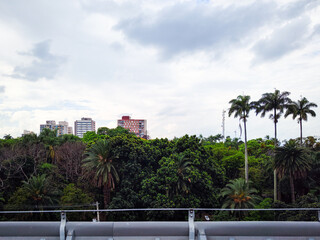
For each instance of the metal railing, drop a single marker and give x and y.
(191, 229)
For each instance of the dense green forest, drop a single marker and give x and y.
(121, 171)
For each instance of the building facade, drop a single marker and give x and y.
(137, 126)
(27, 132)
(84, 125)
(51, 124)
(62, 127)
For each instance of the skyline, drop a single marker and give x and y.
(175, 63)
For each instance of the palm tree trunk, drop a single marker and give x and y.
(275, 127)
(106, 195)
(246, 168)
(292, 189)
(275, 197)
(300, 131)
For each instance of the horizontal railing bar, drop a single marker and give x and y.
(157, 209)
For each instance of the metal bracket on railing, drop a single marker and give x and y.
(202, 235)
(191, 224)
(63, 226)
(70, 235)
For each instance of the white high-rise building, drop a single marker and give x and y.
(84, 125)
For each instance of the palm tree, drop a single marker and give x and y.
(183, 165)
(238, 195)
(241, 107)
(39, 190)
(99, 161)
(273, 102)
(276, 103)
(292, 161)
(301, 109)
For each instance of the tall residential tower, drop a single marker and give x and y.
(84, 125)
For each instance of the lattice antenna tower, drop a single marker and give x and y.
(223, 123)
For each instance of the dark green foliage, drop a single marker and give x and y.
(112, 132)
(75, 198)
(262, 215)
(35, 194)
(239, 195)
(306, 201)
(292, 161)
(100, 167)
(184, 172)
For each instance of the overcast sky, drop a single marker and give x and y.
(176, 63)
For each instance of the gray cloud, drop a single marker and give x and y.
(46, 65)
(184, 28)
(283, 40)
(316, 30)
(187, 28)
(295, 9)
(2, 88)
(62, 105)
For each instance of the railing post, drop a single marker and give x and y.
(191, 224)
(319, 215)
(98, 214)
(63, 226)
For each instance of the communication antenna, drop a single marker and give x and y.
(223, 123)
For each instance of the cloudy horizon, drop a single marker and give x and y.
(175, 63)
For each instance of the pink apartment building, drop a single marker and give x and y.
(137, 126)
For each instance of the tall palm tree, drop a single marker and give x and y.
(99, 161)
(292, 161)
(241, 107)
(238, 195)
(276, 103)
(300, 110)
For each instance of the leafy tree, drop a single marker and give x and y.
(68, 138)
(35, 194)
(238, 195)
(241, 107)
(291, 161)
(212, 139)
(276, 103)
(99, 163)
(29, 139)
(7, 137)
(48, 137)
(300, 110)
(262, 215)
(38, 188)
(306, 201)
(91, 137)
(74, 197)
(112, 132)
